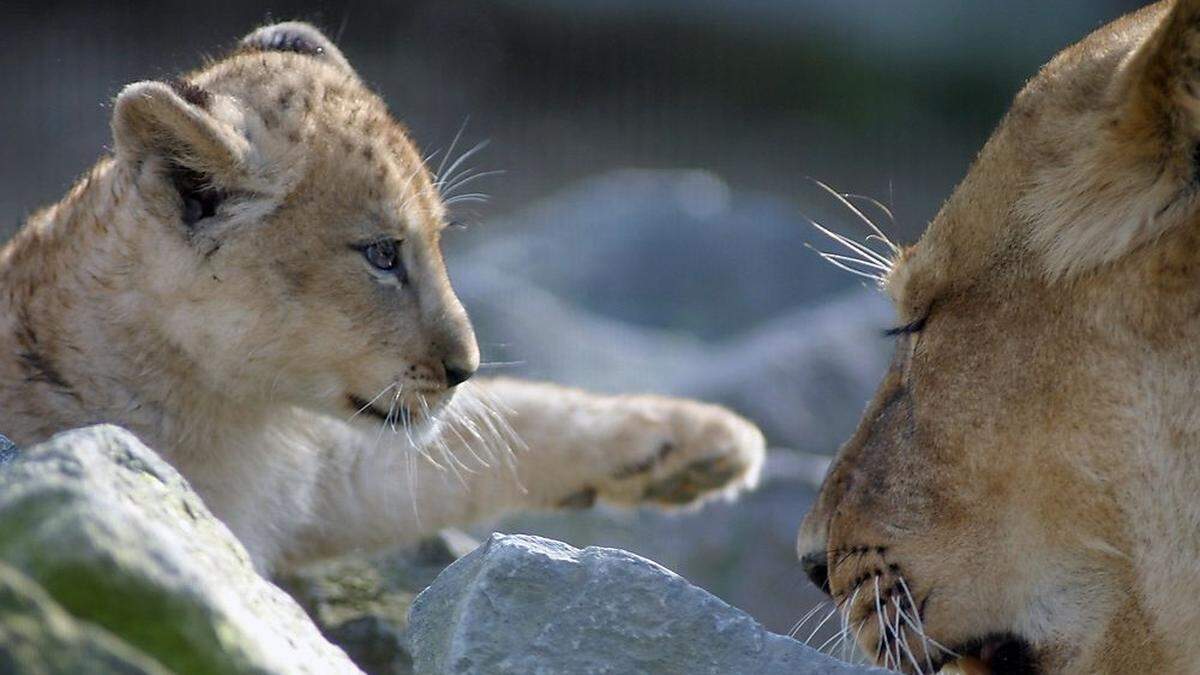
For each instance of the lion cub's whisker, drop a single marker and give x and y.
(372, 401)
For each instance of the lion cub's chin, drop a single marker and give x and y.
(417, 421)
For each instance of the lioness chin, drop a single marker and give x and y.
(1021, 493)
(253, 284)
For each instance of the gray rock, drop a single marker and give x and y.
(361, 603)
(743, 552)
(522, 604)
(8, 450)
(118, 540)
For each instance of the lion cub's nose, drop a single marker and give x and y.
(816, 566)
(456, 374)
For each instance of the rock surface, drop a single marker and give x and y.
(121, 560)
(361, 603)
(8, 451)
(743, 552)
(522, 604)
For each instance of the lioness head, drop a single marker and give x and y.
(290, 233)
(1022, 490)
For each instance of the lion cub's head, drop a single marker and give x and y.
(290, 233)
(1024, 489)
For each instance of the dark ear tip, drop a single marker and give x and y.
(292, 36)
(191, 93)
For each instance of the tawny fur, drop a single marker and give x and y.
(1030, 464)
(242, 345)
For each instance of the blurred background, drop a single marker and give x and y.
(647, 232)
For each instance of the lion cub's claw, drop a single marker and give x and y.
(693, 481)
(684, 452)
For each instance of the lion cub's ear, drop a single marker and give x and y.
(298, 37)
(1134, 171)
(178, 122)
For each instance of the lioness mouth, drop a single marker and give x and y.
(1003, 654)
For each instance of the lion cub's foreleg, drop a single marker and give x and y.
(541, 446)
(581, 447)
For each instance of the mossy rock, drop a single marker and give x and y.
(38, 637)
(116, 537)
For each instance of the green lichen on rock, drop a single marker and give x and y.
(38, 637)
(118, 540)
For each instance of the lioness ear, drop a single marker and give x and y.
(298, 37)
(1137, 174)
(176, 121)
(1160, 85)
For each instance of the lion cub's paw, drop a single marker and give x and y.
(673, 452)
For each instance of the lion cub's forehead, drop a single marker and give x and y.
(323, 123)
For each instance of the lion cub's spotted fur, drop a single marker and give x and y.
(207, 286)
(1025, 486)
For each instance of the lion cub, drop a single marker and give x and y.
(253, 284)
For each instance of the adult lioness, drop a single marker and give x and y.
(1024, 489)
(252, 283)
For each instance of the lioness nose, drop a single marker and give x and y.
(456, 374)
(816, 566)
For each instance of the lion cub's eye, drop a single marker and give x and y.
(384, 255)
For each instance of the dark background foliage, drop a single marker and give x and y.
(884, 98)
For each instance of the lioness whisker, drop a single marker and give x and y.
(857, 653)
(920, 622)
(812, 611)
(852, 260)
(851, 245)
(902, 637)
(832, 610)
(858, 212)
(882, 628)
(874, 277)
(920, 633)
(829, 642)
(877, 204)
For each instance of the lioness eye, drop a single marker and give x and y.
(906, 329)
